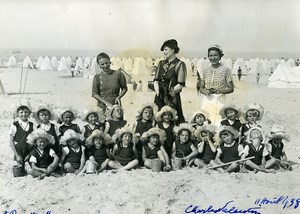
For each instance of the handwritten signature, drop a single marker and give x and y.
(15, 212)
(224, 209)
(285, 201)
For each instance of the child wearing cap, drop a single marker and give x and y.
(165, 119)
(115, 119)
(256, 148)
(124, 151)
(19, 130)
(73, 156)
(66, 119)
(229, 150)
(97, 152)
(230, 115)
(44, 115)
(183, 146)
(154, 149)
(43, 158)
(206, 146)
(276, 150)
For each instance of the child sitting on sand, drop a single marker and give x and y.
(276, 149)
(124, 151)
(199, 118)
(165, 119)
(97, 152)
(183, 146)
(256, 148)
(18, 132)
(154, 149)
(66, 119)
(230, 115)
(206, 145)
(43, 158)
(73, 156)
(229, 150)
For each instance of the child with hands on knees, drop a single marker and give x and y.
(183, 146)
(124, 151)
(43, 158)
(19, 130)
(97, 152)
(207, 147)
(72, 159)
(153, 148)
(229, 150)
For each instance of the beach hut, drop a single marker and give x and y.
(63, 65)
(79, 64)
(285, 77)
(12, 62)
(128, 65)
(39, 62)
(46, 65)
(140, 67)
(116, 63)
(87, 62)
(27, 63)
(239, 63)
(54, 62)
(69, 61)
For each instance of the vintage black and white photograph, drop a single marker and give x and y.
(149, 106)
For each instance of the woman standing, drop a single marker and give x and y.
(215, 83)
(170, 78)
(109, 86)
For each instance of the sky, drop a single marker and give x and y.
(235, 25)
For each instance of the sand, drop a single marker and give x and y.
(143, 191)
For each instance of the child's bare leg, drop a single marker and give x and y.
(69, 168)
(34, 173)
(199, 163)
(147, 163)
(270, 163)
(232, 167)
(254, 166)
(214, 164)
(103, 165)
(131, 165)
(161, 156)
(114, 165)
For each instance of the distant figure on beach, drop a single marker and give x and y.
(109, 86)
(134, 85)
(257, 78)
(239, 73)
(140, 86)
(215, 83)
(271, 72)
(170, 78)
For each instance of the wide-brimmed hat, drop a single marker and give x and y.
(44, 107)
(154, 131)
(230, 129)
(70, 133)
(98, 133)
(248, 134)
(39, 133)
(166, 109)
(183, 126)
(18, 104)
(88, 111)
(222, 111)
(171, 43)
(110, 110)
(72, 109)
(207, 127)
(141, 110)
(120, 132)
(257, 107)
(203, 112)
(278, 131)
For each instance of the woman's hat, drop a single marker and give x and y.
(204, 113)
(87, 112)
(222, 111)
(248, 134)
(260, 110)
(98, 133)
(39, 133)
(165, 109)
(171, 43)
(110, 110)
(154, 131)
(70, 133)
(183, 126)
(230, 129)
(278, 131)
(147, 105)
(207, 127)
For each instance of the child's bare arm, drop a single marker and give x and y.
(263, 162)
(33, 166)
(217, 159)
(173, 150)
(284, 157)
(62, 158)
(12, 144)
(166, 155)
(53, 165)
(107, 126)
(193, 153)
(200, 146)
(212, 146)
(114, 151)
(82, 161)
(144, 154)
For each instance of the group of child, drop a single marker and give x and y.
(108, 142)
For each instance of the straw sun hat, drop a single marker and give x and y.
(45, 107)
(98, 133)
(39, 133)
(147, 105)
(278, 131)
(204, 113)
(248, 134)
(257, 107)
(165, 109)
(154, 131)
(233, 107)
(230, 129)
(207, 127)
(22, 102)
(120, 132)
(110, 110)
(87, 112)
(70, 133)
(183, 126)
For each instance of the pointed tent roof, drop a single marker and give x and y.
(27, 63)
(12, 61)
(63, 65)
(46, 66)
(54, 62)
(79, 64)
(39, 62)
(285, 77)
(87, 62)
(239, 63)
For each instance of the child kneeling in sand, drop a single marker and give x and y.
(43, 159)
(229, 150)
(183, 146)
(97, 152)
(73, 156)
(154, 149)
(256, 148)
(276, 149)
(124, 151)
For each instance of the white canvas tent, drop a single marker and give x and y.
(79, 64)
(27, 63)
(87, 62)
(46, 65)
(239, 63)
(139, 67)
(63, 65)
(54, 62)
(39, 62)
(285, 77)
(12, 61)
